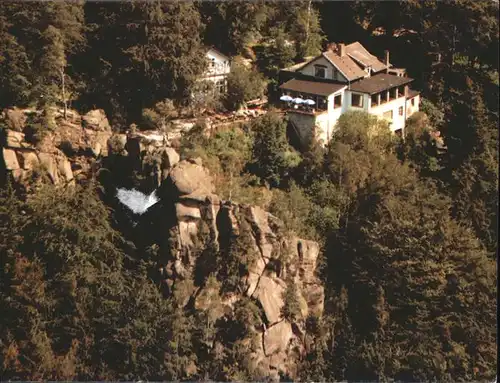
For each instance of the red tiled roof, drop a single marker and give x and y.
(346, 65)
(359, 53)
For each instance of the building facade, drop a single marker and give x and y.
(346, 78)
(219, 67)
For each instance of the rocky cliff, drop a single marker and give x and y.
(198, 234)
(33, 141)
(273, 260)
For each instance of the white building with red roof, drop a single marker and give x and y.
(344, 78)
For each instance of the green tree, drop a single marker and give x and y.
(243, 85)
(140, 50)
(205, 96)
(272, 157)
(421, 145)
(62, 34)
(386, 255)
(356, 144)
(275, 54)
(14, 66)
(306, 30)
(291, 305)
(233, 25)
(159, 116)
(473, 154)
(293, 207)
(435, 115)
(226, 154)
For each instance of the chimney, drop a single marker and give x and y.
(387, 60)
(341, 49)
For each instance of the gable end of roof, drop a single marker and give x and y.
(331, 62)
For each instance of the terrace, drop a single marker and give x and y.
(312, 104)
(312, 96)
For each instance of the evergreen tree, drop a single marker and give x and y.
(396, 252)
(272, 155)
(61, 26)
(475, 182)
(14, 66)
(142, 50)
(306, 31)
(233, 25)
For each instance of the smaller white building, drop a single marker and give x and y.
(219, 67)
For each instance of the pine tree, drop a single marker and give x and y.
(475, 182)
(14, 66)
(62, 34)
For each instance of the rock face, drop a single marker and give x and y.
(276, 261)
(65, 152)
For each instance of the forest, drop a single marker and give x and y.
(408, 235)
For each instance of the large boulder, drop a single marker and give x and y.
(29, 159)
(170, 158)
(64, 167)
(191, 178)
(117, 143)
(96, 120)
(314, 294)
(10, 159)
(48, 162)
(184, 212)
(14, 139)
(15, 119)
(259, 219)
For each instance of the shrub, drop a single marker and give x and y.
(291, 307)
(293, 207)
(159, 116)
(243, 85)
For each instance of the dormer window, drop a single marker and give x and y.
(320, 71)
(212, 63)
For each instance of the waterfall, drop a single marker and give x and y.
(135, 200)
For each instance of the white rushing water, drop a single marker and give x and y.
(135, 200)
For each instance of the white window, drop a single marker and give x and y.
(320, 71)
(400, 111)
(388, 115)
(221, 86)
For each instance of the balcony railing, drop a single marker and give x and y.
(302, 109)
